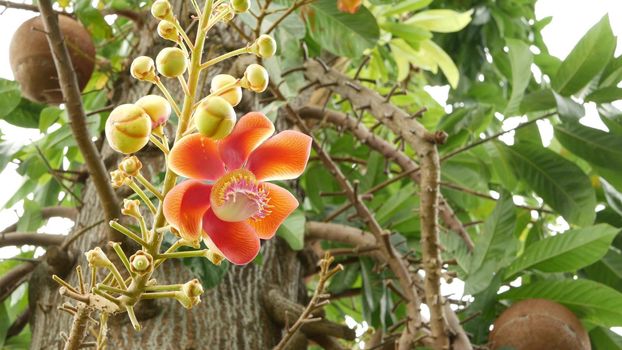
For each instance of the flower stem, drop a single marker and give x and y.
(149, 186)
(168, 96)
(158, 144)
(164, 288)
(158, 295)
(117, 248)
(133, 319)
(142, 196)
(124, 230)
(221, 58)
(186, 254)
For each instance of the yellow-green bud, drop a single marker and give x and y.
(143, 68)
(168, 31)
(161, 9)
(213, 254)
(117, 178)
(240, 6)
(192, 288)
(171, 62)
(264, 46)
(214, 117)
(141, 262)
(232, 95)
(255, 78)
(128, 128)
(157, 107)
(131, 207)
(185, 300)
(97, 258)
(130, 166)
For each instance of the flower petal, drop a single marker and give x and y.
(250, 131)
(185, 205)
(237, 241)
(282, 204)
(283, 157)
(196, 157)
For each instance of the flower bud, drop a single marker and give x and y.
(131, 207)
(97, 258)
(130, 166)
(161, 9)
(141, 262)
(192, 288)
(128, 128)
(233, 95)
(240, 6)
(255, 78)
(157, 107)
(171, 62)
(264, 46)
(214, 117)
(117, 178)
(168, 31)
(143, 68)
(213, 254)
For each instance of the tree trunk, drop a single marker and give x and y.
(230, 316)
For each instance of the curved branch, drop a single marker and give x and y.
(14, 277)
(73, 102)
(49, 212)
(31, 238)
(385, 148)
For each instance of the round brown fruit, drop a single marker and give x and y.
(32, 63)
(538, 324)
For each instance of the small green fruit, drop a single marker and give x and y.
(233, 95)
(128, 128)
(264, 46)
(143, 68)
(157, 107)
(171, 62)
(214, 117)
(161, 9)
(255, 78)
(168, 31)
(240, 6)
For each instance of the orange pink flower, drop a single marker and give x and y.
(226, 199)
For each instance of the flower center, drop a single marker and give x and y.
(237, 196)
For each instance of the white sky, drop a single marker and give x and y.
(571, 19)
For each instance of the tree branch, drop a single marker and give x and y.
(389, 152)
(14, 277)
(424, 144)
(49, 212)
(75, 111)
(18, 325)
(31, 238)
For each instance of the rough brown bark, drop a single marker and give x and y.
(231, 315)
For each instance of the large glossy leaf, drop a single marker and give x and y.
(612, 117)
(440, 20)
(566, 252)
(604, 95)
(343, 33)
(605, 339)
(9, 96)
(593, 301)
(521, 59)
(607, 270)
(405, 6)
(293, 230)
(561, 183)
(494, 248)
(547, 99)
(595, 146)
(588, 58)
(443, 60)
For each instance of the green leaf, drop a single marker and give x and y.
(210, 275)
(5, 323)
(443, 60)
(607, 270)
(25, 115)
(31, 219)
(566, 252)
(592, 301)
(613, 197)
(588, 58)
(48, 116)
(441, 21)
(611, 117)
(10, 96)
(493, 248)
(548, 99)
(605, 339)
(293, 230)
(405, 6)
(595, 146)
(561, 183)
(342, 33)
(605, 95)
(410, 33)
(521, 59)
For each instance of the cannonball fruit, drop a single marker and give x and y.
(538, 324)
(128, 128)
(255, 78)
(214, 117)
(233, 95)
(33, 65)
